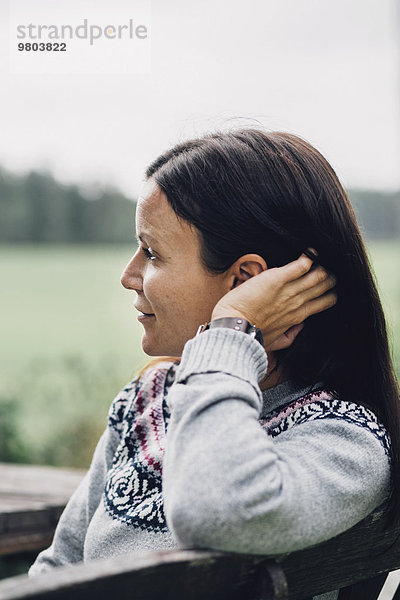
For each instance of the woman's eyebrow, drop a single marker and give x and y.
(143, 236)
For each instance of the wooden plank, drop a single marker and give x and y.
(30, 519)
(37, 481)
(369, 589)
(31, 501)
(364, 552)
(182, 575)
(11, 503)
(25, 518)
(25, 542)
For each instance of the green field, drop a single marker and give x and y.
(385, 257)
(71, 339)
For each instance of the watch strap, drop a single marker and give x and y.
(232, 322)
(236, 323)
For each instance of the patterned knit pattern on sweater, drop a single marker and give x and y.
(133, 492)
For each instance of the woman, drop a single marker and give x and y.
(232, 441)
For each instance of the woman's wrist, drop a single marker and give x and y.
(220, 313)
(235, 323)
(224, 350)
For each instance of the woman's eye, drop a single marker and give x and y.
(148, 254)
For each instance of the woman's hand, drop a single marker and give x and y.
(279, 300)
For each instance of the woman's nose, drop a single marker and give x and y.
(131, 278)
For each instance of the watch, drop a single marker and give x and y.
(236, 323)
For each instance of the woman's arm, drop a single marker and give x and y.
(227, 485)
(69, 538)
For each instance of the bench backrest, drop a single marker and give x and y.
(364, 552)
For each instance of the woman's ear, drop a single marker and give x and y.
(246, 267)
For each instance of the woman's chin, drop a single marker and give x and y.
(152, 348)
(149, 349)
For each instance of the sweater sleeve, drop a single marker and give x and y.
(69, 538)
(229, 486)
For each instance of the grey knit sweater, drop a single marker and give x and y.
(196, 455)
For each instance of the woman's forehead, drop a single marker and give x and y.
(155, 217)
(148, 188)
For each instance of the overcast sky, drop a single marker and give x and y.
(325, 69)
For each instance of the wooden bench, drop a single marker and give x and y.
(31, 501)
(356, 561)
(359, 558)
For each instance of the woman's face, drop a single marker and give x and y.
(166, 273)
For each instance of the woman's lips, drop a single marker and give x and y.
(142, 316)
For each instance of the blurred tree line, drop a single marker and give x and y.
(37, 208)
(378, 213)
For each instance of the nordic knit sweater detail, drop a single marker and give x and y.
(196, 455)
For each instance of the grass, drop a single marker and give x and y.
(66, 300)
(385, 258)
(71, 341)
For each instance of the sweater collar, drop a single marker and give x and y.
(285, 393)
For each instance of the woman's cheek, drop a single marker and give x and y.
(151, 284)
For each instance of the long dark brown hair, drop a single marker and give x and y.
(273, 194)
